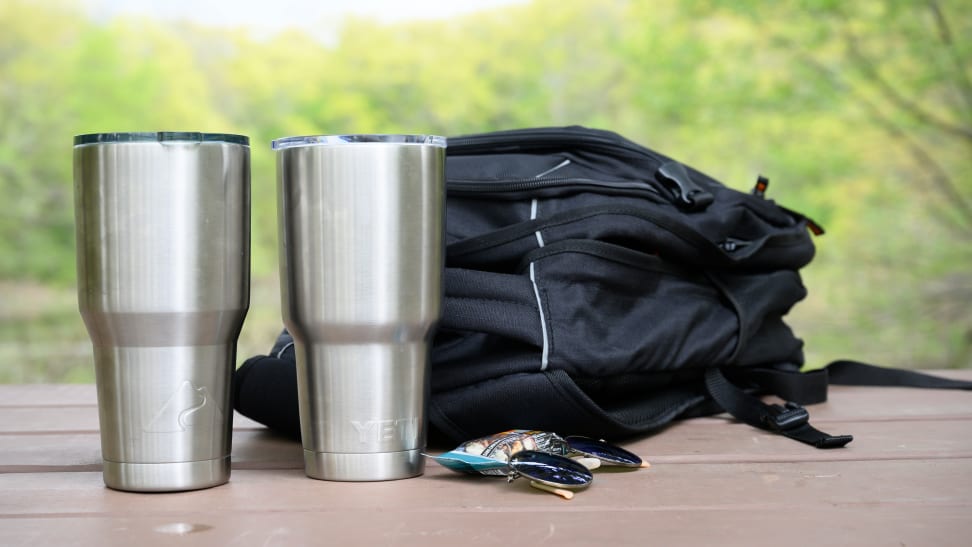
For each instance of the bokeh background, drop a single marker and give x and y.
(860, 113)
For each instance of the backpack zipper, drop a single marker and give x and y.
(681, 191)
(546, 138)
(465, 187)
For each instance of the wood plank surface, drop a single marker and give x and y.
(691, 441)
(556, 526)
(757, 486)
(905, 480)
(917, 506)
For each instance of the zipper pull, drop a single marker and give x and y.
(760, 191)
(814, 228)
(762, 183)
(688, 195)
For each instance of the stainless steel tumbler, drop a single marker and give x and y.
(163, 257)
(361, 227)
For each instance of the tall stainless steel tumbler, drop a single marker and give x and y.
(163, 257)
(361, 227)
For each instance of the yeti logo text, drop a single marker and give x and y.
(378, 431)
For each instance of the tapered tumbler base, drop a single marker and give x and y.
(377, 466)
(166, 477)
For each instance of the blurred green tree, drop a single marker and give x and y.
(894, 77)
(860, 113)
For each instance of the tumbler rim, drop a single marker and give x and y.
(160, 136)
(362, 138)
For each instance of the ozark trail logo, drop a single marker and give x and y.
(189, 406)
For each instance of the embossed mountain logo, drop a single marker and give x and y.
(189, 406)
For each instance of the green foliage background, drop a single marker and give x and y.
(859, 112)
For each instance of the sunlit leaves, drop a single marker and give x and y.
(831, 100)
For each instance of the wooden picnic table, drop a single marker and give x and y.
(905, 480)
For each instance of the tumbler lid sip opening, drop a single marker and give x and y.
(161, 137)
(331, 140)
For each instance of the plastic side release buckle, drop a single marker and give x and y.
(793, 421)
(686, 194)
(787, 417)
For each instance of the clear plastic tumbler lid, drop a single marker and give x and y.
(160, 136)
(330, 140)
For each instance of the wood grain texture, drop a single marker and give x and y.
(905, 480)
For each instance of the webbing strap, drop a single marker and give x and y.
(791, 421)
(854, 373)
(805, 388)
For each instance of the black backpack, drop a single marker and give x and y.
(596, 287)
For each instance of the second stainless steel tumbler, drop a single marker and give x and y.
(163, 233)
(361, 228)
